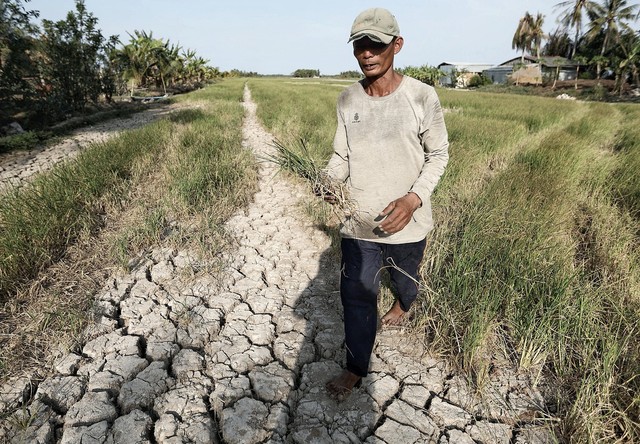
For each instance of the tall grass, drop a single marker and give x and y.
(194, 162)
(303, 114)
(173, 183)
(298, 111)
(38, 222)
(542, 262)
(535, 253)
(625, 186)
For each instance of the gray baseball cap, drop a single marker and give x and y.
(376, 23)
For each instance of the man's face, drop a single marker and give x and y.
(375, 58)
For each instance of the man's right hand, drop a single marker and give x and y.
(399, 212)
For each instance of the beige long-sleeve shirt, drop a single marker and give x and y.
(385, 147)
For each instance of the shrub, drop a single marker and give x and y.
(350, 75)
(430, 75)
(24, 141)
(306, 73)
(478, 80)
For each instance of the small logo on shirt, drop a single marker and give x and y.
(356, 118)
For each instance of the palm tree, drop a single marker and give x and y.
(580, 60)
(630, 46)
(529, 34)
(572, 17)
(138, 57)
(558, 43)
(147, 59)
(168, 62)
(609, 19)
(537, 34)
(522, 38)
(195, 67)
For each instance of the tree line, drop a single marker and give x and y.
(597, 34)
(67, 65)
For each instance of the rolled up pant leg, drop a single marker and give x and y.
(359, 285)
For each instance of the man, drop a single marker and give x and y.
(391, 149)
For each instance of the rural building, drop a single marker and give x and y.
(458, 74)
(532, 70)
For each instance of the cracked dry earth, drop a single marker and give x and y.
(178, 357)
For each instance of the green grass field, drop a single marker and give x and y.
(534, 258)
(535, 255)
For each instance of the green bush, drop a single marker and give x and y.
(479, 80)
(306, 73)
(350, 75)
(24, 141)
(586, 75)
(599, 93)
(430, 75)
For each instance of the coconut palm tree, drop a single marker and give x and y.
(195, 67)
(630, 46)
(529, 34)
(143, 58)
(136, 58)
(609, 19)
(522, 38)
(558, 43)
(537, 34)
(146, 59)
(168, 63)
(572, 17)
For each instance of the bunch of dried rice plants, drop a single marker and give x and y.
(298, 160)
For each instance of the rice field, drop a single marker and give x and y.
(535, 255)
(534, 259)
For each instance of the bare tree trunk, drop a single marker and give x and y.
(622, 82)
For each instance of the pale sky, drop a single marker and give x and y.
(280, 36)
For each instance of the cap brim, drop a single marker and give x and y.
(373, 35)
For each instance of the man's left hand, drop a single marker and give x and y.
(399, 212)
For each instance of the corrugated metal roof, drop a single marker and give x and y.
(548, 61)
(461, 65)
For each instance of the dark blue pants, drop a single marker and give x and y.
(362, 266)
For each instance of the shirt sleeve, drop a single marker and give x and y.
(338, 166)
(435, 142)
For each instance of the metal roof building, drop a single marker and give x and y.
(464, 71)
(543, 68)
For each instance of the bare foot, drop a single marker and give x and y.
(395, 316)
(341, 386)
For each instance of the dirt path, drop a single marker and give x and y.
(17, 168)
(175, 358)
